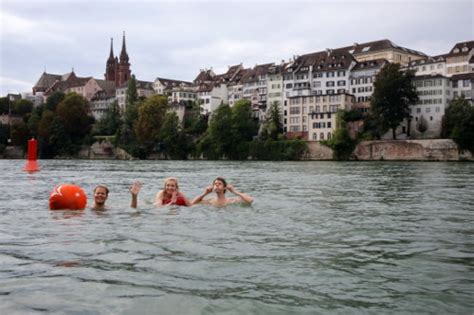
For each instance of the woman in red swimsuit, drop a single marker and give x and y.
(170, 195)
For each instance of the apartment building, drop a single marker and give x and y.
(313, 117)
(434, 92)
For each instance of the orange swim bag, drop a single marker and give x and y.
(67, 197)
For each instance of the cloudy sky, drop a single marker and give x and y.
(175, 39)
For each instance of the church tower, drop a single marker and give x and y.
(123, 73)
(111, 64)
(118, 70)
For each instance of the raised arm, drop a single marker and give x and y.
(244, 197)
(134, 190)
(200, 198)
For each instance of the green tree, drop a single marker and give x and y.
(459, 123)
(73, 113)
(220, 136)
(46, 150)
(53, 100)
(273, 127)
(150, 118)
(131, 96)
(22, 107)
(341, 143)
(422, 125)
(393, 94)
(4, 105)
(110, 122)
(126, 136)
(20, 134)
(244, 128)
(173, 139)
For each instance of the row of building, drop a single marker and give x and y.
(310, 88)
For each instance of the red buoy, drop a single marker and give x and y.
(32, 164)
(67, 197)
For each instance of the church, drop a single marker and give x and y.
(118, 70)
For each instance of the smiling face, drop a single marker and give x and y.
(100, 195)
(171, 185)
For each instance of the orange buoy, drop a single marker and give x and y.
(69, 197)
(31, 165)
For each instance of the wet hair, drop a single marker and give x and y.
(221, 179)
(174, 179)
(104, 187)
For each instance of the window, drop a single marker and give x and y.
(321, 136)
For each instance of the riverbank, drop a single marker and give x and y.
(389, 150)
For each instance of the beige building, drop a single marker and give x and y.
(313, 117)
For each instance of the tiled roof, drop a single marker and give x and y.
(328, 60)
(429, 76)
(253, 74)
(168, 83)
(46, 80)
(370, 64)
(204, 76)
(378, 45)
(145, 85)
(427, 60)
(463, 76)
(462, 48)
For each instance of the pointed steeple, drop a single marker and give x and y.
(111, 56)
(123, 53)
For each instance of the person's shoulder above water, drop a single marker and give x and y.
(171, 195)
(220, 187)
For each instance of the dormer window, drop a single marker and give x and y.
(456, 50)
(366, 49)
(464, 49)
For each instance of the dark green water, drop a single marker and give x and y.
(321, 237)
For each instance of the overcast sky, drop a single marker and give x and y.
(175, 39)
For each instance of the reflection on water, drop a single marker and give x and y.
(321, 237)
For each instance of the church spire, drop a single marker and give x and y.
(123, 53)
(111, 56)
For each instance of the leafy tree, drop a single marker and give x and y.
(459, 123)
(126, 135)
(150, 118)
(46, 150)
(220, 140)
(422, 125)
(4, 105)
(110, 122)
(20, 134)
(4, 135)
(73, 114)
(53, 100)
(131, 96)
(273, 127)
(244, 128)
(34, 120)
(22, 107)
(174, 141)
(341, 143)
(393, 94)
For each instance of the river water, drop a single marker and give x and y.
(321, 237)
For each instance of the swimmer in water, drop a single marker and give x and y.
(170, 195)
(101, 193)
(220, 186)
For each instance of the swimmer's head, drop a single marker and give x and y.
(170, 181)
(220, 184)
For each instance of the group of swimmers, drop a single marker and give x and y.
(171, 195)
